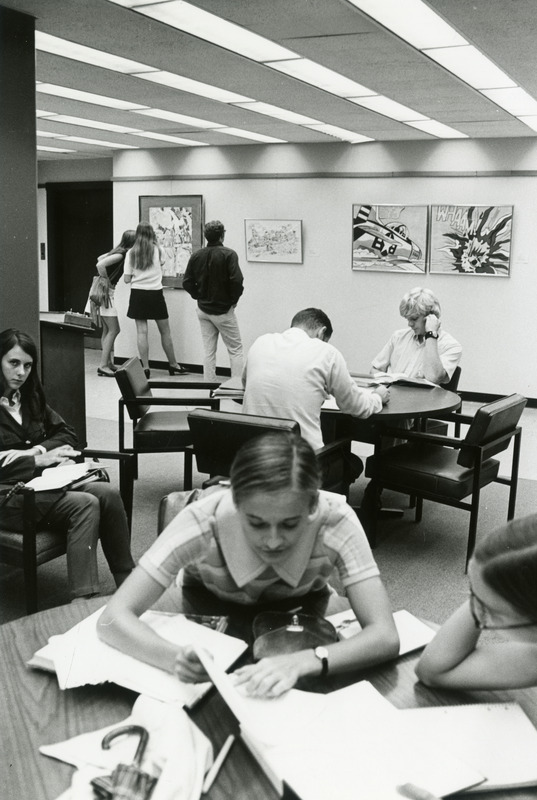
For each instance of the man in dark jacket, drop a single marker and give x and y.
(213, 278)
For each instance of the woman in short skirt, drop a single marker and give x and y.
(144, 273)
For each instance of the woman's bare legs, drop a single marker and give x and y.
(142, 341)
(167, 343)
(108, 337)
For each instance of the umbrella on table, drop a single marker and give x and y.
(127, 781)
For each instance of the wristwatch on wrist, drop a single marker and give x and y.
(322, 654)
(431, 334)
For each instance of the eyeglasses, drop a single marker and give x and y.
(480, 613)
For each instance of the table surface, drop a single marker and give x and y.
(36, 712)
(411, 402)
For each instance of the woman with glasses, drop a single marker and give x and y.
(503, 597)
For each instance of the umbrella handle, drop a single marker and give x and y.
(126, 729)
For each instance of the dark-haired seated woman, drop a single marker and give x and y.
(269, 542)
(503, 597)
(32, 437)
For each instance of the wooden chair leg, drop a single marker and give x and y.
(187, 478)
(29, 556)
(419, 509)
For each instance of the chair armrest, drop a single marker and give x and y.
(171, 401)
(207, 385)
(422, 436)
(333, 447)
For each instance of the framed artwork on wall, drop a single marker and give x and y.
(389, 238)
(471, 240)
(177, 221)
(276, 240)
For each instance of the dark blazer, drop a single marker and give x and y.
(50, 432)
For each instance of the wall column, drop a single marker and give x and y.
(19, 298)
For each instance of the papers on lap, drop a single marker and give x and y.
(79, 657)
(413, 633)
(66, 475)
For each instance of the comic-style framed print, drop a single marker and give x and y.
(178, 222)
(471, 240)
(389, 238)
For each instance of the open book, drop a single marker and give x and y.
(79, 657)
(66, 475)
(400, 379)
(347, 744)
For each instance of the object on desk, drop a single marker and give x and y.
(498, 739)
(346, 744)
(231, 388)
(79, 657)
(68, 475)
(413, 633)
(178, 754)
(127, 781)
(218, 762)
(277, 632)
(400, 379)
(81, 320)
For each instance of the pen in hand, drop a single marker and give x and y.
(219, 760)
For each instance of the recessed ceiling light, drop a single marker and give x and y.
(90, 123)
(278, 113)
(530, 121)
(53, 149)
(193, 87)
(516, 101)
(214, 29)
(100, 143)
(341, 133)
(472, 66)
(164, 137)
(88, 55)
(438, 129)
(257, 137)
(181, 118)
(413, 21)
(49, 135)
(40, 113)
(321, 77)
(383, 105)
(87, 97)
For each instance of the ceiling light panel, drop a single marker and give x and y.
(88, 55)
(472, 66)
(100, 143)
(515, 101)
(164, 137)
(46, 149)
(278, 113)
(438, 129)
(341, 133)
(183, 119)
(87, 97)
(257, 137)
(214, 29)
(389, 108)
(193, 87)
(321, 77)
(90, 123)
(413, 21)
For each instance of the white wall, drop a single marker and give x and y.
(493, 318)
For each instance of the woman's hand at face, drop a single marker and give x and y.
(269, 678)
(188, 667)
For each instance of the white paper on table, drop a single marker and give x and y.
(347, 744)
(80, 657)
(413, 633)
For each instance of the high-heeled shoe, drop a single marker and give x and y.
(147, 373)
(180, 370)
(104, 374)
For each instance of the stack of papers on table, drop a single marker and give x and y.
(79, 657)
(413, 633)
(400, 379)
(347, 744)
(231, 388)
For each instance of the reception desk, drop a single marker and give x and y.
(62, 370)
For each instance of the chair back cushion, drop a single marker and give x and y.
(453, 384)
(490, 422)
(132, 383)
(218, 435)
